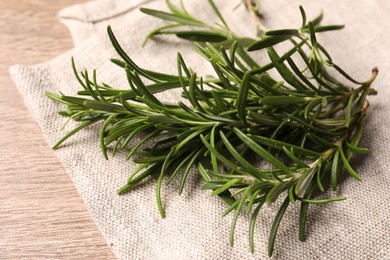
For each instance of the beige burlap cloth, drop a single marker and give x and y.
(357, 228)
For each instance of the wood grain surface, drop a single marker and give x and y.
(41, 214)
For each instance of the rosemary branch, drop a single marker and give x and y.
(302, 129)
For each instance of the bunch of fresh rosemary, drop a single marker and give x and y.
(250, 136)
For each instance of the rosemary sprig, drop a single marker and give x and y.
(251, 137)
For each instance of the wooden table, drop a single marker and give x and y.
(41, 214)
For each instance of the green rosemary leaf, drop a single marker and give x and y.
(89, 87)
(318, 180)
(275, 226)
(97, 87)
(246, 57)
(217, 12)
(295, 159)
(260, 150)
(214, 161)
(129, 129)
(304, 210)
(322, 201)
(201, 36)
(231, 207)
(243, 96)
(300, 75)
(181, 164)
(342, 72)
(159, 30)
(304, 181)
(348, 109)
(173, 8)
(313, 37)
(247, 165)
(192, 94)
(311, 105)
(141, 142)
(355, 149)
(149, 172)
(74, 131)
(283, 100)
(188, 168)
(77, 75)
(274, 193)
(220, 157)
(252, 225)
(326, 28)
(267, 41)
(106, 107)
(235, 217)
(159, 183)
(316, 21)
(252, 199)
(195, 134)
(315, 76)
(291, 194)
(320, 140)
(303, 15)
(226, 186)
(152, 75)
(102, 132)
(280, 145)
(171, 17)
(287, 75)
(332, 122)
(292, 32)
(348, 166)
(335, 170)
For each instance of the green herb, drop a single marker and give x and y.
(251, 137)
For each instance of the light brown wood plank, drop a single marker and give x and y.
(41, 214)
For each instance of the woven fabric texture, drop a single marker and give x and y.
(357, 228)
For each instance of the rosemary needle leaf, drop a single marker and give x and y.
(187, 170)
(295, 159)
(261, 151)
(274, 193)
(159, 30)
(226, 186)
(200, 36)
(335, 170)
(280, 144)
(217, 12)
(292, 32)
(327, 28)
(348, 109)
(235, 218)
(243, 96)
(247, 165)
(171, 17)
(275, 226)
(102, 132)
(74, 131)
(283, 100)
(267, 41)
(318, 180)
(303, 15)
(252, 225)
(358, 150)
(303, 212)
(348, 166)
(322, 201)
